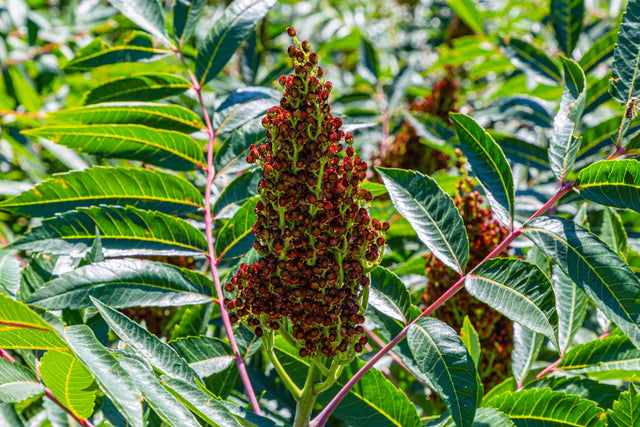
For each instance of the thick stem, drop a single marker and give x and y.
(307, 400)
(323, 416)
(208, 219)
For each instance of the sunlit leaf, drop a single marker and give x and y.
(141, 87)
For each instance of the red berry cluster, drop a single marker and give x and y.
(442, 99)
(315, 240)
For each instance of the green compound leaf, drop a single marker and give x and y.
(168, 408)
(227, 34)
(431, 213)
(548, 408)
(164, 148)
(625, 75)
(123, 231)
(626, 410)
(186, 14)
(489, 165)
(566, 19)
(141, 188)
(594, 267)
(141, 87)
(138, 48)
(206, 355)
(146, 345)
(69, 381)
(20, 327)
(531, 60)
(124, 283)
(526, 347)
(571, 303)
(612, 183)
(518, 290)
(564, 145)
(150, 114)
(17, 383)
(389, 295)
(444, 359)
(235, 237)
(111, 377)
(614, 353)
(147, 14)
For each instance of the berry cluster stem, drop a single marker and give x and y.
(208, 218)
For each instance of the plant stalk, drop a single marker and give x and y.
(307, 401)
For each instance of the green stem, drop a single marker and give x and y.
(286, 379)
(307, 401)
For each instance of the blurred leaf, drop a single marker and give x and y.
(597, 94)
(468, 13)
(626, 410)
(235, 237)
(398, 89)
(431, 213)
(368, 66)
(163, 148)
(625, 78)
(227, 34)
(443, 358)
(145, 13)
(123, 231)
(531, 60)
(9, 416)
(389, 295)
(186, 14)
(237, 191)
(17, 383)
(123, 283)
(612, 183)
(142, 188)
(596, 138)
(10, 270)
(566, 19)
(602, 394)
(599, 51)
(564, 145)
(242, 107)
(230, 157)
(518, 151)
(525, 109)
(138, 48)
(112, 378)
(69, 381)
(141, 87)
(571, 303)
(526, 347)
(469, 337)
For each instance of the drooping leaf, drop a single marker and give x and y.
(444, 359)
(625, 78)
(571, 303)
(230, 157)
(469, 337)
(69, 381)
(206, 355)
(526, 347)
(123, 231)
(626, 410)
(140, 87)
(123, 283)
(489, 165)
(566, 19)
(145, 13)
(548, 408)
(146, 345)
(169, 149)
(599, 51)
(468, 13)
(613, 232)
(614, 353)
(150, 114)
(612, 183)
(142, 188)
(235, 237)
(431, 213)
(564, 145)
(20, 327)
(531, 60)
(111, 377)
(186, 14)
(596, 269)
(163, 403)
(227, 34)
(138, 48)
(17, 383)
(237, 191)
(389, 295)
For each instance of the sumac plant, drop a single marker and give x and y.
(197, 229)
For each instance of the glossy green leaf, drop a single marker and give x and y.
(122, 283)
(186, 14)
(237, 192)
(111, 377)
(145, 13)
(526, 347)
(146, 345)
(612, 183)
(626, 410)
(613, 232)
(138, 48)
(444, 359)
(548, 408)
(20, 327)
(389, 295)
(596, 269)
(231, 156)
(235, 237)
(123, 231)
(615, 352)
(140, 87)
(603, 394)
(168, 408)
(468, 13)
(566, 20)
(9, 272)
(227, 34)
(518, 290)
(69, 381)
(489, 165)
(531, 60)
(599, 51)
(169, 149)
(571, 303)
(150, 114)
(206, 355)
(469, 337)
(485, 417)
(625, 75)
(142, 188)
(431, 213)
(208, 407)
(17, 383)
(564, 146)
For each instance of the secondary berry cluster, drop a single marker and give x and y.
(316, 241)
